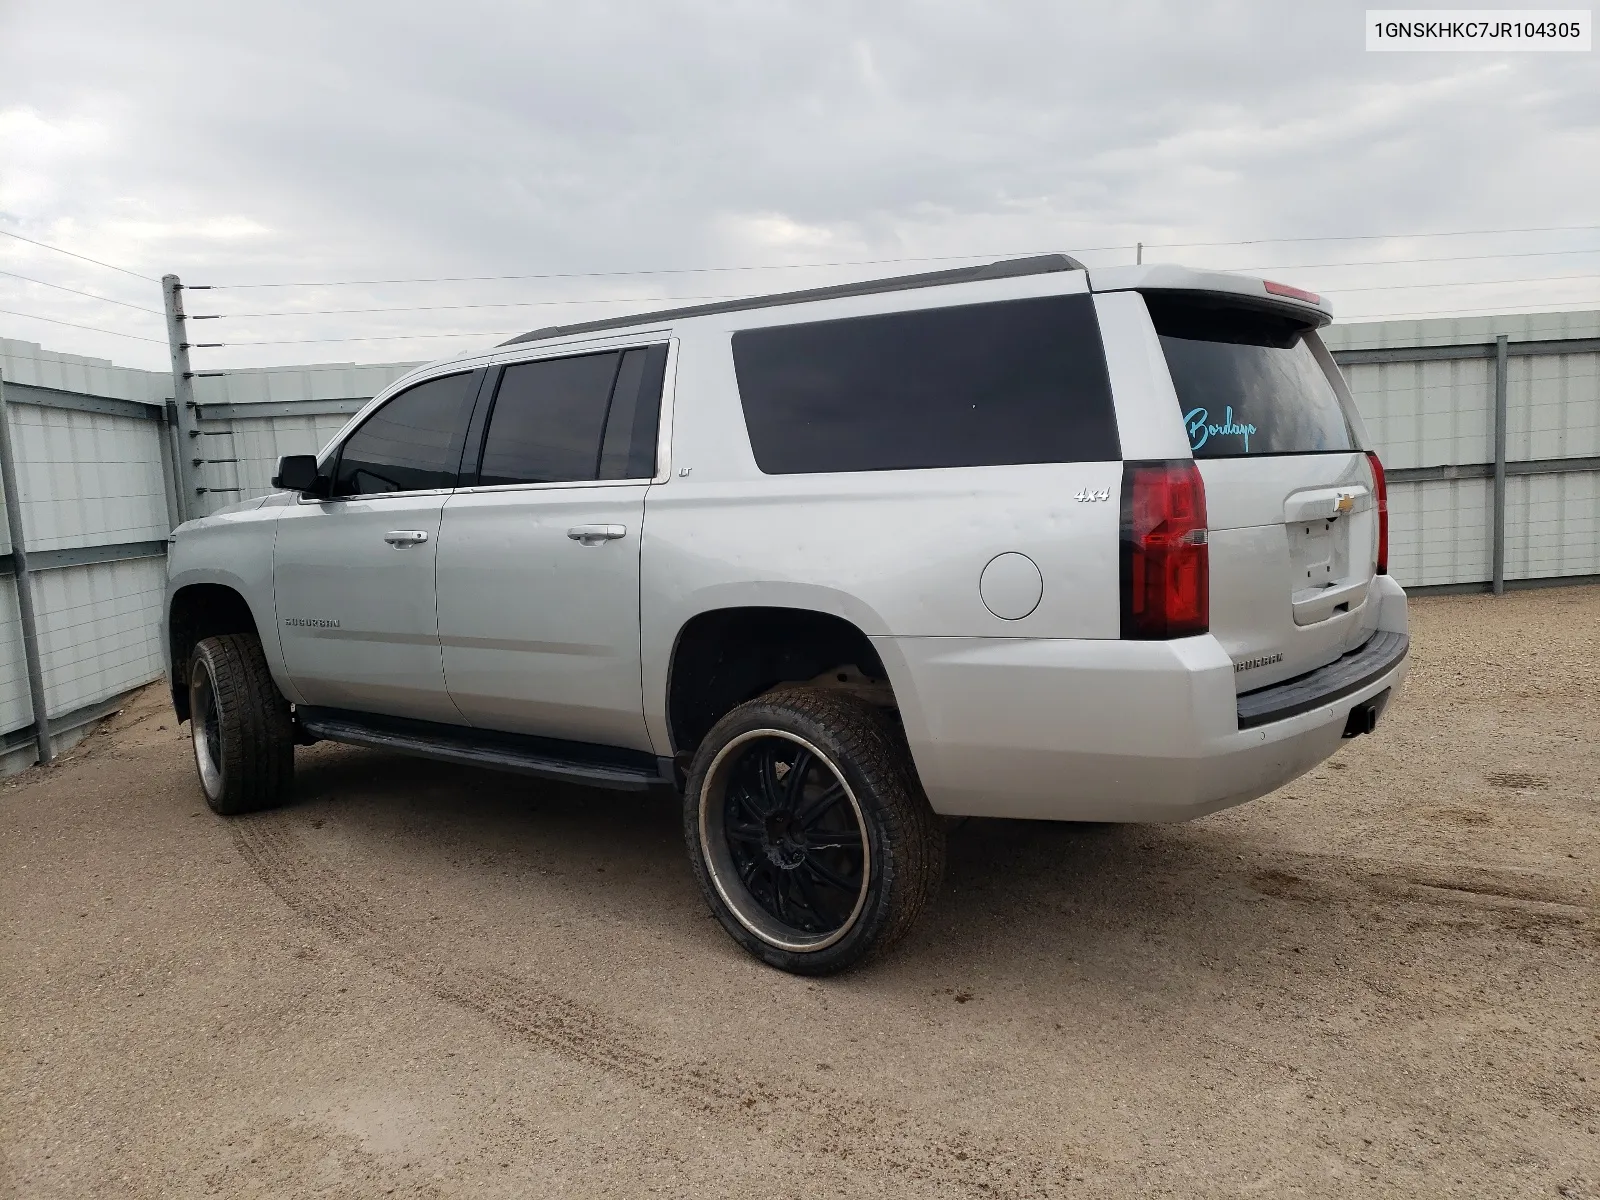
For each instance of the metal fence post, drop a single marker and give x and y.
(187, 449)
(169, 468)
(19, 557)
(1498, 573)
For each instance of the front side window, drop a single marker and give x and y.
(411, 444)
(1014, 381)
(570, 420)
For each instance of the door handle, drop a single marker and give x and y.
(590, 535)
(401, 538)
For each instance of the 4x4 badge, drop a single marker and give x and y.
(1085, 496)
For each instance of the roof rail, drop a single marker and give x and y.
(1005, 268)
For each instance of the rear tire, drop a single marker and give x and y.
(240, 726)
(816, 872)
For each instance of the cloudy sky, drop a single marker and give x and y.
(322, 143)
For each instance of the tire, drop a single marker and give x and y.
(240, 726)
(813, 873)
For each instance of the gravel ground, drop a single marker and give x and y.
(422, 981)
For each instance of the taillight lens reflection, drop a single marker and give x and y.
(1381, 493)
(1166, 566)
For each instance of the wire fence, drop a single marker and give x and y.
(379, 323)
(1494, 452)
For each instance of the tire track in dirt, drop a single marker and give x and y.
(817, 1122)
(1516, 903)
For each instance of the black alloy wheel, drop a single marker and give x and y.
(808, 831)
(787, 839)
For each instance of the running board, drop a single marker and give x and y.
(545, 758)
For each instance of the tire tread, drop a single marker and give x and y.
(256, 730)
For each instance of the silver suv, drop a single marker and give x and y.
(1019, 540)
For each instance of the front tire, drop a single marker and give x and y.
(240, 726)
(808, 831)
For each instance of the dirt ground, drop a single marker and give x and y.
(421, 981)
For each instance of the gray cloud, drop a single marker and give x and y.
(302, 141)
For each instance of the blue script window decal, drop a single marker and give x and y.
(1201, 430)
(1242, 400)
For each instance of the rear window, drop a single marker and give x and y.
(1019, 381)
(566, 420)
(1247, 382)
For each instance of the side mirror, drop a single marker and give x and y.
(298, 473)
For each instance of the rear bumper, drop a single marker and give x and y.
(1373, 660)
(1120, 730)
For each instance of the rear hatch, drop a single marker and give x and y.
(1290, 494)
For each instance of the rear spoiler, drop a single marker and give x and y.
(1305, 306)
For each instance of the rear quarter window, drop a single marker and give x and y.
(1017, 381)
(1247, 382)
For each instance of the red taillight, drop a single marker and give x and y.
(1294, 293)
(1380, 492)
(1166, 568)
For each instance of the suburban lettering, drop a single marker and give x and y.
(1249, 664)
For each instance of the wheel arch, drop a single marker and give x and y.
(723, 656)
(198, 608)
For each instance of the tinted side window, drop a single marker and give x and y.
(1019, 381)
(629, 451)
(565, 420)
(411, 444)
(547, 420)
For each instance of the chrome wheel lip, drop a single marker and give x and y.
(203, 716)
(719, 860)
